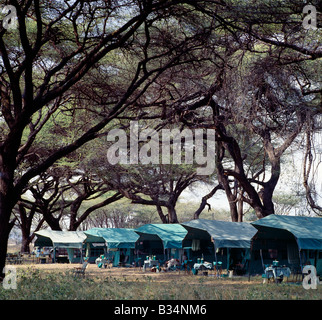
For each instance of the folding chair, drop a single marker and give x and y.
(80, 270)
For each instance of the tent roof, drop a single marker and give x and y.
(171, 235)
(61, 239)
(114, 237)
(306, 230)
(225, 234)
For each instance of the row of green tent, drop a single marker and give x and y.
(246, 247)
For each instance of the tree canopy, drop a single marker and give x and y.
(71, 71)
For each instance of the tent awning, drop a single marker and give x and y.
(171, 235)
(306, 230)
(60, 239)
(225, 234)
(114, 237)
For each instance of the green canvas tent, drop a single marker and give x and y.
(306, 230)
(113, 237)
(223, 242)
(161, 240)
(119, 242)
(224, 234)
(171, 235)
(292, 240)
(60, 239)
(69, 240)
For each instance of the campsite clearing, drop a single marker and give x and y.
(55, 281)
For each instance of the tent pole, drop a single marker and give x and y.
(215, 255)
(228, 258)
(250, 258)
(300, 259)
(261, 254)
(164, 256)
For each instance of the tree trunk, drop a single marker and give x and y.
(6, 205)
(230, 144)
(172, 214)
(240, 209)
(223, 180)
(52, 221)
(27, 236)
(161, 215)
(4, 235)
(25, 242)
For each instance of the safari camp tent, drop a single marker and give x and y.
(118, 244)
(162, 240)
(221, 241)
(294, 241)
(67, 245)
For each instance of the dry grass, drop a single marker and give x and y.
(55, 281)
(135, 274)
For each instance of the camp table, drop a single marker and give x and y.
(150, 264)
(277, 272)
(202, 266)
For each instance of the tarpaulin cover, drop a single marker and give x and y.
(306, 230)
(225, 234)
(60, 239)
(171, 235)
(115, 237)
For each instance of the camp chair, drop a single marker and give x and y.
(80, 270)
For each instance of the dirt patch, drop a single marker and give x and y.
(136, 274)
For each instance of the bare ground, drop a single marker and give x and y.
(137, 274)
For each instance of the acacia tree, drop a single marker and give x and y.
(262, 85)
(25, 218)
(264, 90)
(54, 47)
(155, 185)
(268, 104)
(55, 198)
